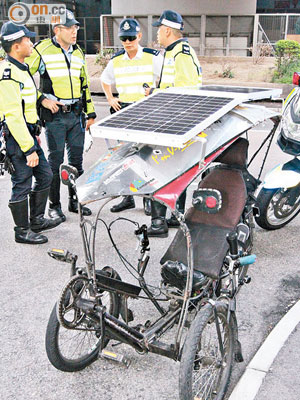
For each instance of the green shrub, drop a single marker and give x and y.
(103, 57)
(287, 53)
(286, 74)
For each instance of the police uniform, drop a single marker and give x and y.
(63, 77)
(129, 75)
(181, 68)
(18, 98)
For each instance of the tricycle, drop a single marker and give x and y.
(202, 270)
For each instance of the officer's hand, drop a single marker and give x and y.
(114, 103)
(32, 160)
(147, 91)
(52, 105)
(89, 122)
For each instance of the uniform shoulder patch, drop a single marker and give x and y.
(118, 53)
(151, 51)
(6, 73)
(185, 48)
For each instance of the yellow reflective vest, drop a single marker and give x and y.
(65, 80)
(130, 75)
(181, 66)
(18, 97)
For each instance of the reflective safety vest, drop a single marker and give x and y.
(18, 97)
(181, 66)
(130, 75)
(65, 80)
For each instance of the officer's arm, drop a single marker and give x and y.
(10, 95)
(186, 72)
(90, 109)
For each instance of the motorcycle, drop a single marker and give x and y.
(279, 197)
(202, 270)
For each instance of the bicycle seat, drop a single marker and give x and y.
(208, 231)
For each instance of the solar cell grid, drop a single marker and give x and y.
(167, 113)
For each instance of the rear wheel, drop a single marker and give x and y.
(207, 356)
(275, 208)
(75, 343)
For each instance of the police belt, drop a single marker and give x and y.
(76, 108)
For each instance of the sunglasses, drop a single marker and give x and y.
(130, 38)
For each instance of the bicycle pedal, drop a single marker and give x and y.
(62, 255)
(109, 355)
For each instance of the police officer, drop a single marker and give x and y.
(64, 83)
(18, 97)
(129, 69)
(181, 68)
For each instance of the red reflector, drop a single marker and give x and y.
(64, 175)
(210, 202)
(296, 78)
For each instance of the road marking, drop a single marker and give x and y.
(250, 382)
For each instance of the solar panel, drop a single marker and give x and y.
(171, 117)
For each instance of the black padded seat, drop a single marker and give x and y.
(209, 231)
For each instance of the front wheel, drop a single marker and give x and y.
(277, 207)
(207, 355)
(75, 344)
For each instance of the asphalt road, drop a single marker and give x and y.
(31, 283)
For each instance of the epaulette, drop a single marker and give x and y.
(151, 51)
(185, 48)
(118, 53)
(6, 74)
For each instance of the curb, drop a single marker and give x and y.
(250, 382)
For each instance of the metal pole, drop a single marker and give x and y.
(202, 35)
(149, 38)
(101, 34)
(255, 33)
(228, 36)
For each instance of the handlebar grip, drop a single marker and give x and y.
(233, 243)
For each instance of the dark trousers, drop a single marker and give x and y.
(66, 130)
(22, 177)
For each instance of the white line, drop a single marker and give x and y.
(253, 377)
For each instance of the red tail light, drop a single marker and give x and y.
(64, 175)
(211, 202)
(296, 78)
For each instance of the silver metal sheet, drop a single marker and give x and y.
(144, 169)
(245, 93)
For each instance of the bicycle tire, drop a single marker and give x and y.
(204, 357)
(86, 341)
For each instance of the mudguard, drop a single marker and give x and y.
(279, 177)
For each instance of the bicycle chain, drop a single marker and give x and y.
(61, 304)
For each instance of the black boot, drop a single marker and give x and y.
(37, 203)
(23, 234)
(147, 205)
(55, 211)
(73, 204)
(126, 204)
(173, 221)
(159, 227)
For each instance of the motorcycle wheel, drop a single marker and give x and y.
(204, 368)
(72, 350)
(275, 212)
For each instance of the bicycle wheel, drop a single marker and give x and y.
(274, 207)
(74, 349)
(206, 361)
